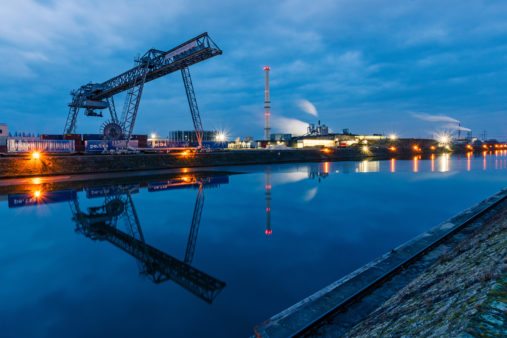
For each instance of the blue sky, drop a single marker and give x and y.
(371, 66)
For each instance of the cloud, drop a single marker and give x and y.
(434, 118)
(307, 107)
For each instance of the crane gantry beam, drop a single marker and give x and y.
(152, 65)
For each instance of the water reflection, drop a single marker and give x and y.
(416, 163)
(268, 201)
(393, 165)
(116, 221)
(368, 167)
(444, 163)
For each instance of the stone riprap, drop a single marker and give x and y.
(463, 293)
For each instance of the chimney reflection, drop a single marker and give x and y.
(103, 223)
(268, 201)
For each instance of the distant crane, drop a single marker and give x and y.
(152, 65)
(101, 223)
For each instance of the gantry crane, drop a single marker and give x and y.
(152, 65)
(101, 223)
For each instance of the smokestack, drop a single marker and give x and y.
(267, 106)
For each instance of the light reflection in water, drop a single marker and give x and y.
(484, 153)
(326, 167)
(469, 156)
(416, 164)
(393, 165)
(432, 162)
(444, 163)
(368, 167)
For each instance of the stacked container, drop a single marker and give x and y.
(45, 146)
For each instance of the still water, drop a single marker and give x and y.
(214, 254)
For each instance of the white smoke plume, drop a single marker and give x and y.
(308, 107)
(434, 118)
(456, 127)
(290, 126)
(310, 194)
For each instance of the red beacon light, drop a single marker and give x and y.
(269, 232)
(267, 68)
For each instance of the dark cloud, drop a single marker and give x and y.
(365, 64)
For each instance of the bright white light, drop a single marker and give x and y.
(393, 137)
(443, 139)
(365, 149)
(221, 137)
(153, 135)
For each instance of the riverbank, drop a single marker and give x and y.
(464, 292)
(47, 165)
(337, 309)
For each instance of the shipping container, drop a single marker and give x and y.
(163, 143)
(107, 145)
(51, 137)
(95, 192)
(23, 200)
(45, 146)
(89, 137)
(142, 139)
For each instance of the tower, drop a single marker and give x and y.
(267, 106)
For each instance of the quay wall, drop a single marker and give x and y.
(46, 165)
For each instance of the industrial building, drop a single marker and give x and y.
(190, 136)
(4, 133)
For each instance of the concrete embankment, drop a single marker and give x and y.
(26, 166)
(445, 282)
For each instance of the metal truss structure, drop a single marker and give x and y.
(100, 223)
(152, 65)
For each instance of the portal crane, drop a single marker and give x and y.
(100, 223)
(152, 65)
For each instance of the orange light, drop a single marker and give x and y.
(433, 147)
(185, 170)
(326, 167)
(469, 147)
(326, 150)
(35, 155)
(416, 148)
(392, 148)
(37, 194)
(485, 146)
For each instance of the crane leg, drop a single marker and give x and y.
(194, 229)
(70, 124)
(132, 104)
(112, 109)
(192, 102)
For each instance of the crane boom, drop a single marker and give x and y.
(152, 65)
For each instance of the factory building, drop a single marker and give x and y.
(4, 133)
(189, 135)
(318, 136)
(281, 137)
